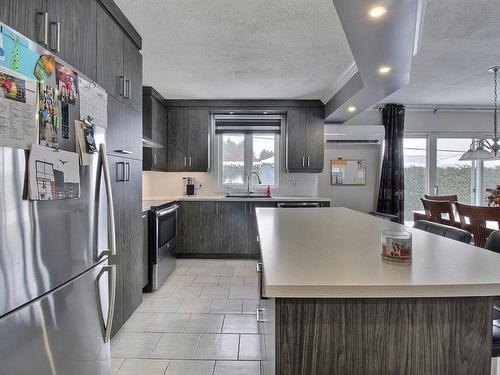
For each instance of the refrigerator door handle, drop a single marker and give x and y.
(109, 198)
(111, 270)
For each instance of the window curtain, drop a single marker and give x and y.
(391, 191)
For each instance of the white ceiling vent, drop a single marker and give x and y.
(366, 134)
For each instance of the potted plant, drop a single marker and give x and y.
(494, 196)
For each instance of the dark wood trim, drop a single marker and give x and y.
(221, 104)
(216, 256)
(148, 90)
(384, 336)
(124, 23)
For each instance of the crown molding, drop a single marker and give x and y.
(344, 78)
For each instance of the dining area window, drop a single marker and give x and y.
(433, 167)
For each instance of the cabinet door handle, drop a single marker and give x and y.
(123, 83)
(120, 171)
(55, 36)
(127, 172)
(308, 161)
(154, 159)
(185, 162)
(127, 89)
(42, 27)
(217, 208)
(190, 161)
(303, 161)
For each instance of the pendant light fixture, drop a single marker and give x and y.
(483, 149)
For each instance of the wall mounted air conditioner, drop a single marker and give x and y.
(349, 134)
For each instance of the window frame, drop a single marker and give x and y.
(248, 163)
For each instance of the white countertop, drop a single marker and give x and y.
(160, 201)
(335, 253)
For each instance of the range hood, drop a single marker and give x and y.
(149, 143)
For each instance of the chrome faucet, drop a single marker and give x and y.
(248, 180)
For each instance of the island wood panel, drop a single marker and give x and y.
(383, 336)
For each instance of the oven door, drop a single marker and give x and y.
(166, 232)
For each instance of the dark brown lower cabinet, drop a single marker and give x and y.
(126, 179)
(303, 336)
(213, 229)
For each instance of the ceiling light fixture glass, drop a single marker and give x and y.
(483, 149)
(384, 69)
(351, 109)
(377, 11)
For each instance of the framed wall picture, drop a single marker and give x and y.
(348, 172)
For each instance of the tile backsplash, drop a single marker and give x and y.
(164, 184)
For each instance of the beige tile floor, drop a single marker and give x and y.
(200, 322)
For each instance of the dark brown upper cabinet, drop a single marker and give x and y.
(188, 138)
(305, 140)
(29, 17)
(119, 62)
(67, 28)
(154, 119)
(73, 33)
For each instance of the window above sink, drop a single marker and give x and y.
(245, 146)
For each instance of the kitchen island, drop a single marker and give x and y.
(331, 305)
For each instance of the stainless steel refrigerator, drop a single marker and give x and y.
(56, 287)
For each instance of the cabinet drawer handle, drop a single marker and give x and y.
(55, 37)
(126, 152)
(43, 27)
(308, 161)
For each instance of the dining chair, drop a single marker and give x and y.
(434, 211)
(449, 198)
(442, 230)
(474, 218)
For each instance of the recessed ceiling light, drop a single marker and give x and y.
(231, 113)
(384, 69)
(351, 108)
(377, 11)
(265, 113)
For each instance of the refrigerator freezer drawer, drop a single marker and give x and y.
(61, 333)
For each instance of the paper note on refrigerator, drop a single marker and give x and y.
(93, 102)
(17, 110)
(53, 174)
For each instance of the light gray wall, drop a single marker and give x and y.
(360, 198)
(445, 121)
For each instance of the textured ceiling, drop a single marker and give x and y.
(239, 48)
(460, 40)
